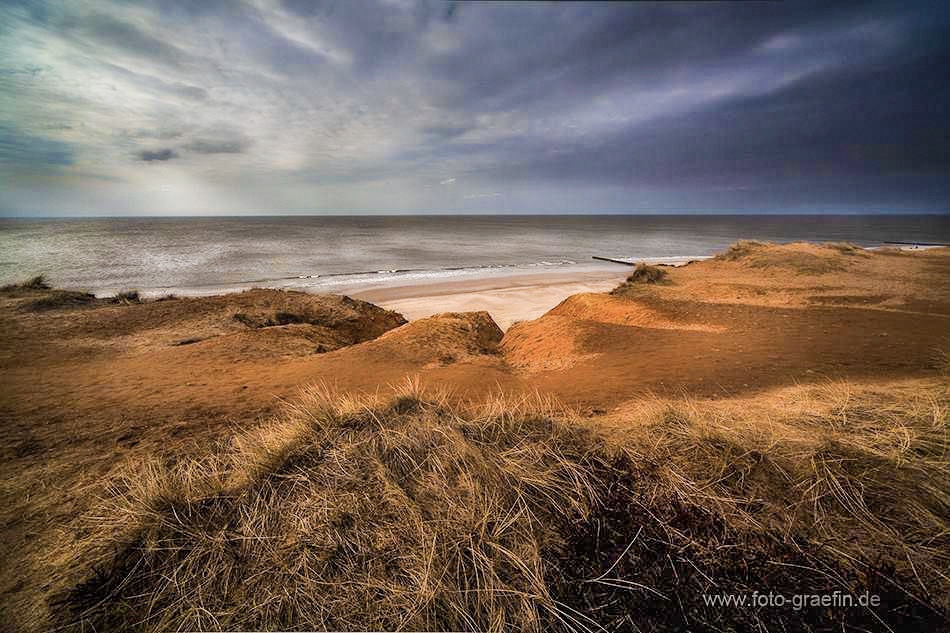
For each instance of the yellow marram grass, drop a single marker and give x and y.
(349, 514)
(419, 513)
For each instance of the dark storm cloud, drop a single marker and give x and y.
(754, 105)
(871, 102)
(834, 123)
(856, 112)
(149, 155)
(859, 121)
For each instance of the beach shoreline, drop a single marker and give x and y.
(212, 256)
(508, 299)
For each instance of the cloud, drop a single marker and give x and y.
(23, 150)
(126, 36)
(153, 84)
(212, 146)
(762, 106)
(163, 134)
(150, 155)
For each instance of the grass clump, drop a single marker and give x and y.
(126, 297)
(642, 275)
(36, 283)
(49, 298)
(514, 515)
(740, 250)
(646, 274)
(847, 248)
(348, 515)
(246, 320)
(61, 299)
(288, 318)
(279, 318)
(798, 257)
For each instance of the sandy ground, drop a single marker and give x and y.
(507, 299)
(87, 390)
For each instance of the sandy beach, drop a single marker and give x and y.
(508, 299)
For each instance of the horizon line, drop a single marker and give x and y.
(476, 214)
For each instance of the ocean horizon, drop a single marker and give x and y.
(196, 255)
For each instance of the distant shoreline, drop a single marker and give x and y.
(369, 214)
(201, 256)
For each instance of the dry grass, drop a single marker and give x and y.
(126, 297)
(864, 471)
(741, 250)
(409, 513)
(799, 257)
(941, 361)
(349, 514)
(646, 274)
(60, 299)
(36, 283)
(279, 318)
(642, 275)
(341, 320)
(55, 299)
(847, 248)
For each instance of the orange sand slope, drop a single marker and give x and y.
(756, 317)
(89, 385)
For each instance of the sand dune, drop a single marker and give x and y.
(92, 387)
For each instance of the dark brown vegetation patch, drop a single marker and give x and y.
(126, 297)
(61, 299)
(646, 274)
(643, 275)
(36, 283)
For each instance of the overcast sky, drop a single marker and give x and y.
(224, 107)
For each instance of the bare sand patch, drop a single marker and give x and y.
(507, 299)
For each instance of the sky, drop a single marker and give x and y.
(230, 107)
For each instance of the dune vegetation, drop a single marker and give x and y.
(34, 283)
(514, 514)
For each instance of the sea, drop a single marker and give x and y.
(208, 255)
